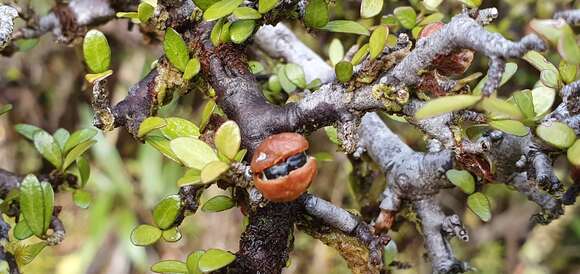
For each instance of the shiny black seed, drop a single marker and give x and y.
(276, 171)
(296, 161)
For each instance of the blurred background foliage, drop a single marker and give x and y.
(46, 87)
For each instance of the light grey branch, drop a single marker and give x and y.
(329, 213)
(7, 15)
(571, 16)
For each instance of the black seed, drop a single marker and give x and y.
(296, 161)
(276, 171)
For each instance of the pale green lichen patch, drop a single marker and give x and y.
(393, 99)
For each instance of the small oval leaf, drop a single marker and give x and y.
(169, 266)
(48, 148)
(513, 127)
(166, 211)
(446, 104)
(212, 171)
(479, 204)
(175, 49)
(556, 134)
(145, 235)
(192, 152)
(96, 51)
(346, 26)
(214, 259)
(221, 9)
(228, 139)
(343, 70)
(462, 179)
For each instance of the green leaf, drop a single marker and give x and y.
(216, 32)
(228, 139)
(556, 134)
(192, 152)
(432, 4)
(538, 61)
(266, 5)
(471, 3)
(343, 70)
(479, 204)
(543, 98)
(171, 235)
(433, 18)
(191, 177)
(82, 198)
(332, 134)
(568, 47)
(406, 16)
(574, 153)
(145, 11)
(446, 104)
(175, 49)
(462, 179)
(500, 109)
(390, 252)
(221, 9)
(191, 69)
(204, 4)
(36, 204)
(60, 136)
(218, 203)
(241, 30)
(212, 171)
(179, 127)
(378, 40)
(246, 13)
(145, 235)
(567, 72)
(214, 259)
(549, 29)
(346, 26)
(193, 262)
(323, 157)
(21, 230)
(208, 110)
(76, 152)
(150, 124)
(48, 148)
(166, 211)
(84, 170)
(510, 70)
(370, 8)
(129, 15)
(255, 67)
(93, 77)
(550, 78)
(31, 251)
(360, 55)
(96, 51)
(27, 131)
(295, 74)
(513, 127)
(24, 45)
(286, 84)
(163, 146)
(153, 3)
(525, 103)
(5, 108)
(316, 14)
(335, 51)
(169, 266)
(79, 136)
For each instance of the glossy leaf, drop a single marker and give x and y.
(346, 26)
(218, 203)
(169, 266)
(343, 70)
(316, 14)
(556, 134)
(479, 204)
(191, 177)
(513, 127)
(573, 153)
(266, 5)
(96, 51)
(286, 84)
(76, 152)
(500, 109)
(179, 127)
(246, 13)
(462, 179)
(79, 136)
(335, 51)
(145, 235)
(204, 4)
(432, 4)
(166, 211)
(471, 3)
(163, 146)
(568, 47)
(192, 152)
(150, 124)
(61, 136)
(191, 69)
(538, 61)
(360, 55)
(241, 30)
(295, 74)
(48, 148)
(525, 103)
(171, 235)
(378, 40)
(221, 9)
(550, 78)
(567, 72)
(446, 104)
(21, 230)
(212, 171)
(228, 139)
(27, 131)
(370, 8)
(208, 110)
(145, 11)
(406, 16)
(84, 170)
(36, 204)
(214, 259)
(82, 198)
(543, 99)
(193, 262)
(175, 49)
